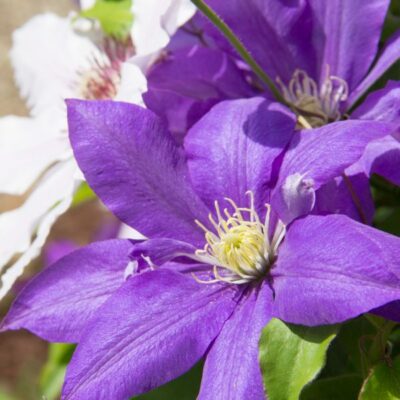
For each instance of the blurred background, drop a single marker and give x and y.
(22, 355)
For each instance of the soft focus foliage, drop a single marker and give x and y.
(115, 16)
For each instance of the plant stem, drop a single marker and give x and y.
(240, 48)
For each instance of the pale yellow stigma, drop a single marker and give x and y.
(318, 105)
(239, 248)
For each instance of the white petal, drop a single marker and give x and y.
(154, 23)
(126, 232)
(27, 147)
(177, 14)
(133, 84)
(50, 199)
(85, 4)
(47, 56)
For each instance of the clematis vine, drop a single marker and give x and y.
(323, 58)
(230, 245)
(54, 58)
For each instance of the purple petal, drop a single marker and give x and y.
(186, 83)
(159, 251)
(331, 269)
(56, 250)
(134, 165)
(232, 149)
(316, 156)
(58, 303)
(324, 153)
(350, 196)
(382, 105)
(389, 56)
(382, 157)
(389, 311)
(232, 370)
(155, 327)
(351, 35)
(277, 33)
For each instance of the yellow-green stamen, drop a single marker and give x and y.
(320, 105)
(239, 248)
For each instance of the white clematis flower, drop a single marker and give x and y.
(155, 22)
(52, 61)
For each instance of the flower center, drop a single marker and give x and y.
(319, 105)
(100, 83)
(240, 248)
(102, 80)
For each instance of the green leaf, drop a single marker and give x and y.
(338, 387)
(383, 382)
(115, 17)
(346, 355)
(5, 396)
(291, 356)
(52, 376)
(84, 193)
(185, 387)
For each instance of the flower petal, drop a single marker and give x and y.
(388, 57)
(38, 55)
(317, 156)
(389, 311)
(135, 167)
(27, 147)
(188, 81)
(277, 33)
(155, 22)
(382, 157)
(158, 251)
(51, 198)
(321, 154)
(133, 84)
(350, 37)
(58, 303)
(153, 329)
(233, 148)
(381, 105)
(331, 269)
(232, 369)
(349, 195)
(56, 250)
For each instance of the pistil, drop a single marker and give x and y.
(240, 247)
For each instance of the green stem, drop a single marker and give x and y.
(240, 48)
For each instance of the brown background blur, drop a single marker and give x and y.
(21, 354)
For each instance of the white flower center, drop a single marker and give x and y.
(319, 105)
(102, 80)
(240, 249)
(100, 83)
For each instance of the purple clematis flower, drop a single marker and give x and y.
(324, 56)
(226, 249)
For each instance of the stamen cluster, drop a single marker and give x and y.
(240, 244)
(319, 105)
